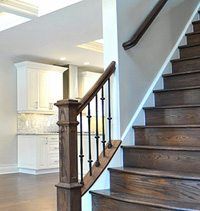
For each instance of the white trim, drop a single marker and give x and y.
(8, 169)
(39, 66)
(159, 75)
(19, 8)
(39, 171)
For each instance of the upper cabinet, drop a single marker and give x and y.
(87, 80)
(39, 86)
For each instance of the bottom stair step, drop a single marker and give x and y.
(105, 200)
(163, 185)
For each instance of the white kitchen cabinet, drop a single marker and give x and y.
(32, 97)
(38, 154)
(39, 86)
(87, 80)
(42, 148)
(44, 90)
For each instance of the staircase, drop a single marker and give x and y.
(162, 172)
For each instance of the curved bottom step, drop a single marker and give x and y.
(105, 200)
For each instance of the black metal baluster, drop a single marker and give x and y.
(97, 163)
(103, 123)
(109, 117)
(89, 139)
(81, 147)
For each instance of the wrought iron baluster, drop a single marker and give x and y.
(103, 123)
(81, 147)
(89, 139)
(109, 117)
(97, 163)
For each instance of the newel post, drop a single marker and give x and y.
(68, 189)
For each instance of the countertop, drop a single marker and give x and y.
(33, 134)
(55, 133)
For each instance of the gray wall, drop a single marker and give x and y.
(138, 67)
(8, 115)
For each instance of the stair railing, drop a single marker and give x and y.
(72, 182)
(145, 25)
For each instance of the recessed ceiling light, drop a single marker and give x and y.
(86, 63)
(96, 45)
(62, 59)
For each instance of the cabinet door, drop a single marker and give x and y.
(53, 151)
(55, 88)
(27, 156)
(43, 152)
(44, 90)
(32, 89)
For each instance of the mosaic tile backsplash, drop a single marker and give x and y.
(37, 123)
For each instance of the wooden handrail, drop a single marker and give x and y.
(145, 25)
(97, 86)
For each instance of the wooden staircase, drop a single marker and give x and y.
(162, 172)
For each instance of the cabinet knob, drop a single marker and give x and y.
(50, 106)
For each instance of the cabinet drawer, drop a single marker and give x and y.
(53, 146)
(54, 160)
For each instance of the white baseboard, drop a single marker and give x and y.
(37, 172)
(8, 169)
(12, 169)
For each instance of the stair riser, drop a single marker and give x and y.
(156, 187)
(189, 52)
(184, 66)
(181, 81)
(170, 160)
(173, 116)
(193, 39)
(196, 27)
(168, 137)
(100, 203)
(183, 97)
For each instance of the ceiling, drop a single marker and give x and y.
(55, 35)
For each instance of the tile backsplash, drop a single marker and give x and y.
(37, 123)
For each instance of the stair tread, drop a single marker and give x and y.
(157, 173)
(172, 106)
(193, 33)
(175, 148)
(188, 46)
(166, 126)
(173, 205)
(181, 73)
(196, 22)
(185, 59)
(177, 89)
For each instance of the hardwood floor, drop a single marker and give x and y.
(23, 192)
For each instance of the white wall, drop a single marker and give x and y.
(8, 117)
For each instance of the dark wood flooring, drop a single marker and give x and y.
(23, 192)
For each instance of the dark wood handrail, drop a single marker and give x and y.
(97, 86)
(145, 25)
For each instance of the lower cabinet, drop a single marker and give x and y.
(38, 154)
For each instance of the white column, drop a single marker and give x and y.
(73, 81)
(110, 36)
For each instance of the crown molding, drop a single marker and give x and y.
(19, 8)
